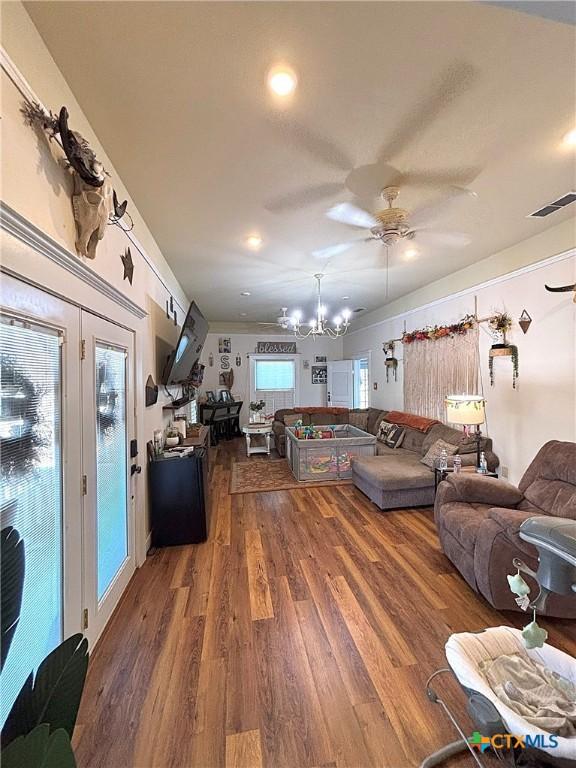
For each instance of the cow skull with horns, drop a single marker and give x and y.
(94, 202)
(563, 289)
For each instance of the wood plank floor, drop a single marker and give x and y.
(300, 635)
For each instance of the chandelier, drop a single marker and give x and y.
(318, 325)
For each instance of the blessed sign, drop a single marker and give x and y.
(276, 348)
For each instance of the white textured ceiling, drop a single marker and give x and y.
(176, 93)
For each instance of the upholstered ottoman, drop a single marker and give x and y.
(392, 481)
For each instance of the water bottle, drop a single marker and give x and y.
(443, 463)
(483, 468)
(457, 463)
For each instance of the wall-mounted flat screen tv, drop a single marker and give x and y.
(182, 360)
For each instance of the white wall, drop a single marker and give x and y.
(245, 344)
(37, 186)
(543, 406)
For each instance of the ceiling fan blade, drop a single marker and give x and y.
(317, 146)
(449, 239)
(454, 81)
(427, 213)
(454, 180)
(346, 213)
(300, 198)
(334, 250)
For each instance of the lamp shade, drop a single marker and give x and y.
(465, 409)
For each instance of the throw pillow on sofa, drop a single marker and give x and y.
(384, 430)
(289, 421)
(395, 436)
(433, 453)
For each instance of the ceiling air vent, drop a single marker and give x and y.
(563, 201)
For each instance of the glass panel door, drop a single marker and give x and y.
(31, 495)
(111, 463)
(108, 426)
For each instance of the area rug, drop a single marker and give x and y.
(260, 475)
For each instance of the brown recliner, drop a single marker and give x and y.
(478, 519)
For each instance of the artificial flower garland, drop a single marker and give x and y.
(432, 333)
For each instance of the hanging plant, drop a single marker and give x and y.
(435, 332)
(500, 323)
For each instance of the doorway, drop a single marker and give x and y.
(66, 419)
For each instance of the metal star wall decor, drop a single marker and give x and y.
(128, 265)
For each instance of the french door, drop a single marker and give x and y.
(108, 497)
(66, 421)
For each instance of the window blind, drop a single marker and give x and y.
(274, 375)
(31, 489)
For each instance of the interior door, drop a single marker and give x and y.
(107, 428)
(340, 379)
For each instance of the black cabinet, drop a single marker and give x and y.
(179, 504)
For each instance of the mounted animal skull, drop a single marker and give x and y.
(563, 289)
(94, 202)
(92, 208)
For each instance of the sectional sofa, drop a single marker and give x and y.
(395, 477)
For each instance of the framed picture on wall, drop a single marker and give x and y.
(319, 374)
(224, 345)
(319, 358)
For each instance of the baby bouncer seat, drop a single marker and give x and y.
(513, 725)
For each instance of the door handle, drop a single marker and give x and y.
(135, 470)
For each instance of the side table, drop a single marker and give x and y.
(265, 430)
(441, 474)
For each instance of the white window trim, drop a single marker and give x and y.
(364, 354)
(295, 358)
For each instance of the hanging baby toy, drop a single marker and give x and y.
(532, 634)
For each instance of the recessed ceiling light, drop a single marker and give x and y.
(411, 253)
(243, 314)
(570, 138)
(245, 293)
(254, 242)
(345, 298)
(282, 80)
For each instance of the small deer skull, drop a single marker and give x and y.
(92, 208)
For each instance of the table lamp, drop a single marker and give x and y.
(467, 410)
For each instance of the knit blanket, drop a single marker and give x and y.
(536, 693)
(421, 423)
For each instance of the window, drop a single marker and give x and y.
(274, 375)
(361, 383)
(274, 380)
(111, 470)
(193, 411)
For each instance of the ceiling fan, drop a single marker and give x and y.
(365, 181)
(389, 225)
(282, 320)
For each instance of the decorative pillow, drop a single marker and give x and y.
(433, 454)
(383, 430)
(290, 420)
(395, 436)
